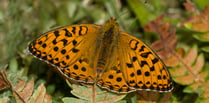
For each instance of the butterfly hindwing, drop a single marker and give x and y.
(68, 48)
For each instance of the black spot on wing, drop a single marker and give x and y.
(56, 33)
(135, 44)
(67, 33)
(143, 63)
(145, 55)
(142, 48)
(73, 30)
(64, 42)
(155, 60)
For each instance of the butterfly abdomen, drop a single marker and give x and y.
(109, 36)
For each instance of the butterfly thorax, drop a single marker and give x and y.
(108, 42)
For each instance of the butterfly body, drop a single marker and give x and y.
(112, 59)
(107, 45)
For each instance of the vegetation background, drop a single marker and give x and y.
(177, 29)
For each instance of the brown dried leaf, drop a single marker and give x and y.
(3, 83)
(206, 10)
(169, 44)
(165, 98)
(199, 64)
(164, 30)
(149, 27)
(157, 45)
(203, 74)
(196, 85)
(147, 96)
(201, 27)
(199, 21)
(152, 97)
(23, 92)
(20, 85)
(190, 56)
(168, 40)
(172, 61)
(190, 6)
(171, 39)
(47, 98)
(38, 95)
(185, 80)
(27, 91)
(205, 93)
(188, 68)
(176, 72)
(180, 52)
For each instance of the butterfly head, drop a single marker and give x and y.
(111, 26)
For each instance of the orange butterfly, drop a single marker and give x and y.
(112, 59)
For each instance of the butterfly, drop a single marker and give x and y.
(102, 54)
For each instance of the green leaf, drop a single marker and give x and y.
(201, 3)
(74, 100)
(142, 13)
(203, 37)
(92, 92)
(188, 89)
(4, 100)
(205, 49)
(13, 65)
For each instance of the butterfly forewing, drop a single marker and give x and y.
(68, 49)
